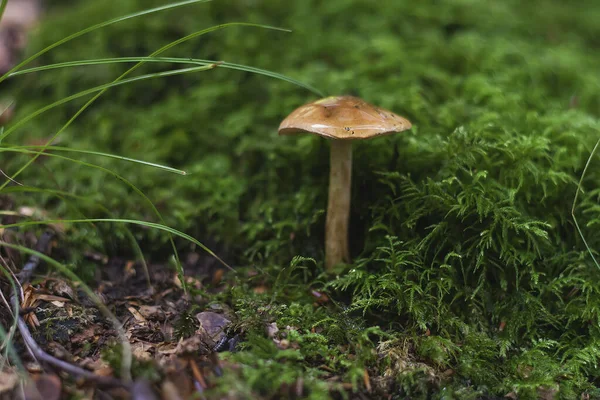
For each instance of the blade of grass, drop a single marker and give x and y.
(55, 192)
(3, 4)
(175, 60)
(587, 164)
(127, 357)
(97, 153)
(96, 27)
(146, 224)
(132, 186)
(122, 76)
(7, 337)
(65, 197)
(99, 89)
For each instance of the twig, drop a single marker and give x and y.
(11, 331)
(199, 382)
(36, 351)
(16, 287)
(10, 179)
(65, 366)
(587, 164)
(127, 355)
(197, 374)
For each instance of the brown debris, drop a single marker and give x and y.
(43, 387)
(169, 391)
(194, 345)
(320, 297)
(212, 326)
(154, 313)
(19, 17)
(7, 110)
(8, 381)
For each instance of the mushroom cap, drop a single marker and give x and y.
(344, 118)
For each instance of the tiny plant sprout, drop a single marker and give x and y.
(341, 119)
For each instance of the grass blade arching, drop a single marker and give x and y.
(95, 27)
(147, 224)
(179, 60)
(98, 153)
(587, 164)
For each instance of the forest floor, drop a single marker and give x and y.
(168, 244)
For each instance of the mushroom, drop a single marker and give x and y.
(341, 119)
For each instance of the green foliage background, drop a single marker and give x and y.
(466, 255)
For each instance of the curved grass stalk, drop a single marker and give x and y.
(95, 89)
(64, 195)
(61, 194)
(3, 4)
(103, 88)
(8, 336)
(135, 189)
(114, 83)
(127, 356)
(587, 164)
(121, 77)
(56, 192)
(147, 224)
(96, 153)
(174, 60)
(93, 28)
(126, 362)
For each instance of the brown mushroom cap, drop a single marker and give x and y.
(343, 117)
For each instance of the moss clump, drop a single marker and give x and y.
(141, 369)
(185, 325)
(466, 257)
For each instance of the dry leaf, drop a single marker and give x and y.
(8, 381)
(43, 387)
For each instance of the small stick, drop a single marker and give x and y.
(197, 374)
(65, 366)
(32, 346)
(199, 382)
(18, 287)
(10, 179)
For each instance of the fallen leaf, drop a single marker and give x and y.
(140, 351)
(169, 391)
(193, 345)
(367, 380)
(138, 317)
(8, 381)
(43, 387)
(152, 312)
(51, 298)
(217, 277)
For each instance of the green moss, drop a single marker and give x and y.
(141, 369)
(466, 257)
(185, 325)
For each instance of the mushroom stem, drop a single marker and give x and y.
(338, 208)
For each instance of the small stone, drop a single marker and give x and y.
(272, 329)
(213, 324)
